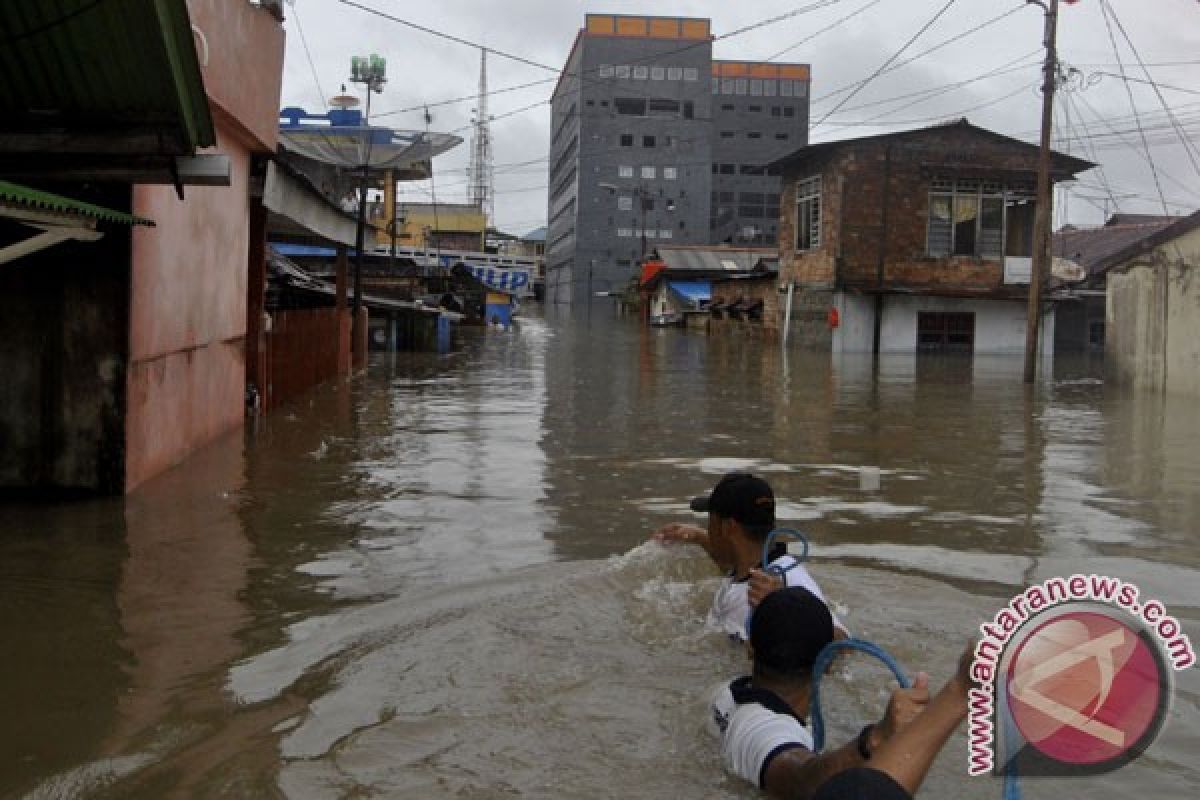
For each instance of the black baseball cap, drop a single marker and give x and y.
(789, 628)
(741, 496)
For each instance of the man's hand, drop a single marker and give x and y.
(680, 532)
(903, 707)
(760, 584)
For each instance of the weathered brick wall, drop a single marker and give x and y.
(750, 290)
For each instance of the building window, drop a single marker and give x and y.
(754, 135)
(967, 218)
(740, 85)
(688, 109)
(670, 173)
(728, 169)
(641, 73)
(647, 141)
(691, 74)
(776, 111)
(756, 87)
(808, 213)
(726, 85)
(648, 172)
(658, 73)
(770, 88)
(753, 169)
(606, 71)
(727, 106)
(630, 106)
(941, 331)
(789, 111)
(800, 88)
(783, 137)
(624, 203)
(726, 134)
(674, 73)
(626, 140)
(622, 71)
(665, 233)
(624, 171)
(662, 107)
(754, 109)
(716, 85)
(624, 233)
(785, 88)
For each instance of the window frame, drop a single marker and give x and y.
(989, 243)
(808, 214)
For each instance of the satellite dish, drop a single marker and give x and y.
(1067, 270)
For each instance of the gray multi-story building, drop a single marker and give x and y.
(653, 142)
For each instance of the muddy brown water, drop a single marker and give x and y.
(433, 581)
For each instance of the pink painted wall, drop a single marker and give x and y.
(245, 64)
(187, 326)
(187, 318)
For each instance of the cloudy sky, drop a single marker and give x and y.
(989, 75)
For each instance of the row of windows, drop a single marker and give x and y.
(651, 233)
(648, 73)
(783, 137)
(649, 173)
(776, 111)
(760, 87)
(743, 169)
(653, 107)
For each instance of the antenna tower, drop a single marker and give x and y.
(482, 176)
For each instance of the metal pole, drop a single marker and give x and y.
(787, 312)
(360, 233)
(1042, 224)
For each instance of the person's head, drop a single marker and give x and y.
(740, 504)
(787, 631)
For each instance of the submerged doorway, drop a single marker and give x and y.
(945, 332)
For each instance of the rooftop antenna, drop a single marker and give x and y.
(481, 175)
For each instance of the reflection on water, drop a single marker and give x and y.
(433, 581)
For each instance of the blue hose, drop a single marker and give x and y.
(768, 543)
(821, 666)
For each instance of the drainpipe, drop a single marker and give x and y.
(787, 312)
(882, 258)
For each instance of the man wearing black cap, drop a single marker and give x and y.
(741, 512)
(760, 718)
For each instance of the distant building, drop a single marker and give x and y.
(684, 285)
(1152, 336)
(1079, 315)
(912, 241)
(450, 226)
(655, 143)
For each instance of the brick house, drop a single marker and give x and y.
(918, 240)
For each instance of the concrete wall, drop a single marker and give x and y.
(999, 324)
(1152, 327)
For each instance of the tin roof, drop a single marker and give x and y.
(117, 69)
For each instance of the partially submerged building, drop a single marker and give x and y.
(912, 241)
(1152, 338)
(124, 354)
(687, 286)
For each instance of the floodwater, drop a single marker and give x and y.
(434, 581)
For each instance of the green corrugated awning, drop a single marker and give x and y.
(14, 194)
(108, 76)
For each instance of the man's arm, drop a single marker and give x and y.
(683, 532)
(797, 774)
(907, 756)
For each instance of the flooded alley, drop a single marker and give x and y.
(434, 580)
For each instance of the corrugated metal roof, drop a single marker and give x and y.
(97, 65)
(710, 260)
(14, 194)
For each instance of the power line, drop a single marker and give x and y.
(1133, 106)
(830, 26)
(1187, 147)
(885, 64)
(308, 54)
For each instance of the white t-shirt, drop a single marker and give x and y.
(731, 604)
(754, 726)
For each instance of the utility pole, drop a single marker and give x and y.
(369, 71)
(1042, 222)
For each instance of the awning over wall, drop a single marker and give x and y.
(693, 293)
(56, 218)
